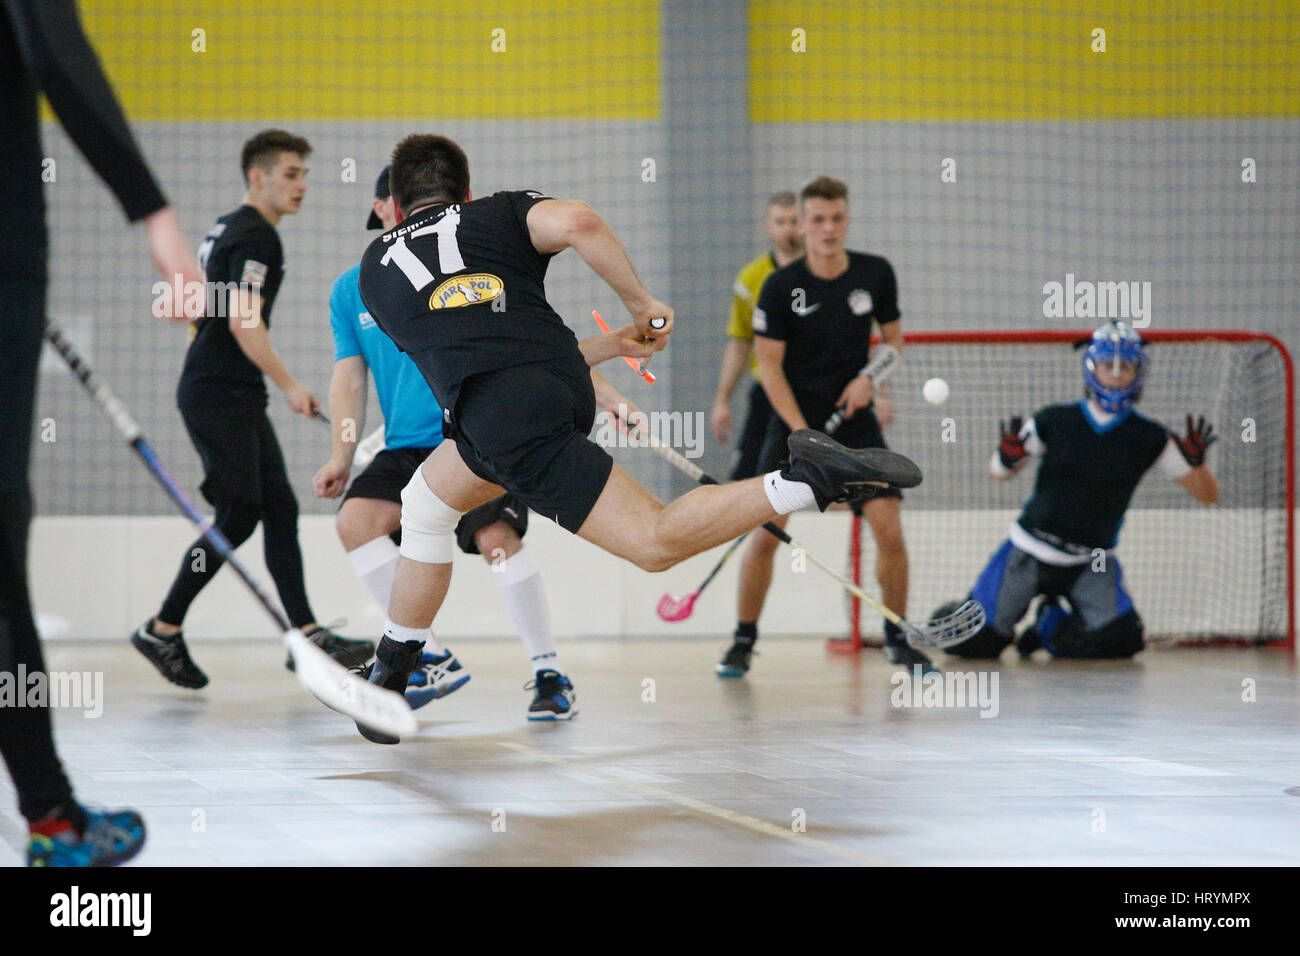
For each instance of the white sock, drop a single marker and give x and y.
(396, 632)
(520, 581)
(375, 563)
(786, 495)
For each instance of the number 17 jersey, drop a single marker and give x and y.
(460, 288)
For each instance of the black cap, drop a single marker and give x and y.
(381, 192)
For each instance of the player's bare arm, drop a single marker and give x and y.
(250, 332)
(771, 353)
(610, 399)
(555, 225)
(626, 341)
(348, 419)
(734, 360)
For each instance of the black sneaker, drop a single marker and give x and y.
(902, 654)
(169, 655)
(836, 473)
(735, 663)
(348, 651)
(392, 668)
(553, 697)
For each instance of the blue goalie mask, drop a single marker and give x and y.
(1115, 344)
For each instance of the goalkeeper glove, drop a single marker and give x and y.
(1012, 447)
(1200, 436)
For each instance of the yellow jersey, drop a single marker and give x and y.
(744, 297)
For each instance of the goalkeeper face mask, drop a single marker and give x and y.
(1115, 354)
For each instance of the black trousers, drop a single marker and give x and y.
(26, 734)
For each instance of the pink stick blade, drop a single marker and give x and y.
(677, 609)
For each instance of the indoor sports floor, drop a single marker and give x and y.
(1154, 762)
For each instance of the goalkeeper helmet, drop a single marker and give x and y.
(1115, 344)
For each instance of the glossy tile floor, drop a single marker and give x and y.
(807, 761)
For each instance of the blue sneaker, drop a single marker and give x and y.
(553, 697)
(111, 837)
(434, 677)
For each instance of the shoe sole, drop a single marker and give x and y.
(144, 647)
(878, 467)
(722, 671)
(551, 718)
(419, 698)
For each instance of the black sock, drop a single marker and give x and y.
(747, 632)
(893, 633)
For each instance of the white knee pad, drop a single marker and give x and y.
(428, 524)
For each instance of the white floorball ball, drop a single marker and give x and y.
(935, 391)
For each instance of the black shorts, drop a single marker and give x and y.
(391, 471)
(242, 461)
(751, 437)
(525, 429)
(860, 431)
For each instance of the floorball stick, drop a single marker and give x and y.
(674, 609)
(329, 682)
(637, 366)
(946, 631)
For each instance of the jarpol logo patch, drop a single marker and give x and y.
(463, 290)
(860, 301)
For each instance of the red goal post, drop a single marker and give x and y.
(1224, 574)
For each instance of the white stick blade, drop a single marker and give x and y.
(951, 629)
(337, 688)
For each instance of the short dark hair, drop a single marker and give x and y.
(428, 168)
(264, 149)
(824, 187)
(783, 198)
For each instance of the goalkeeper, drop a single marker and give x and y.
(1093, 454)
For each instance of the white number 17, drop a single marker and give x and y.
(449, 257)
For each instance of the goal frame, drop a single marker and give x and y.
(855, 641)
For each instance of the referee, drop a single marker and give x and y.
(813, 338)
(43, 50)
(222, 398)
(782, 226)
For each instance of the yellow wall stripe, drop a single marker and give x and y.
(911, 60)
(288, 60)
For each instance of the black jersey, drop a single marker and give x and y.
(1088, 474)
(826, 323)
(242, 249)
(43, 50)
(460, 288)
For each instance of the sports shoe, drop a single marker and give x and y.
(836, 473)
(902, 654)
(735, 663)
(553, 697)
(348, 651)
(434, 678)
(109, 837)
(169, 655)
(391, 670)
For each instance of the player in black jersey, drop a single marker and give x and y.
(812, 329)
(222, 398)
(458, 285)
(1094, 453)
(43, 50)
